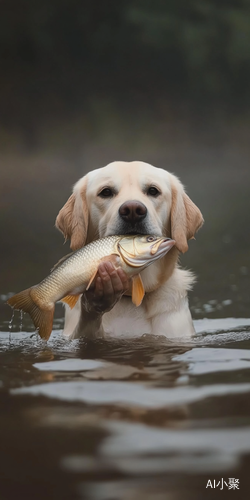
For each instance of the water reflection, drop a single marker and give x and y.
(125, 419)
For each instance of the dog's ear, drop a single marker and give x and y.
(186, 217)
(72, 219)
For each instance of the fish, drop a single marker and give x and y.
(75, 272)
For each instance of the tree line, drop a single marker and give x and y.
(201, 47)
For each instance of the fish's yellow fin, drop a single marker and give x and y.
(71, 300)
(91, 279)
(42, 318)
(138, 291)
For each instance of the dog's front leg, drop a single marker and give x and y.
(85, 320)
(89, 325)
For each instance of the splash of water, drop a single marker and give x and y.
(21, 321)
(11, 324)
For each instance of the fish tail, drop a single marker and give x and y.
(42, 318)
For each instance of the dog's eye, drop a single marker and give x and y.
(153, 191)
(106, 193)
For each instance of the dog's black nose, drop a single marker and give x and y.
(132, 211)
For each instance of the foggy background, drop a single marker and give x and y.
(84, 83)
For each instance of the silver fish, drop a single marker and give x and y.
(74, 274)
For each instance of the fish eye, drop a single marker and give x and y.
(151, 238)
(106, 193)
(153, 191)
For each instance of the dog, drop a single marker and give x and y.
(132, 198)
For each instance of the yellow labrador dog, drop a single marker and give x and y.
(131, 198)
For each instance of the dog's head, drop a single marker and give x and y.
(127, 198)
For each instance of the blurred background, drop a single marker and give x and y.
(84, 83)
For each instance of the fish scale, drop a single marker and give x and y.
(76, 269)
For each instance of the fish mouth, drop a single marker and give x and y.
(162, 246)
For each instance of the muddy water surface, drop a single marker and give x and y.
(106, 420)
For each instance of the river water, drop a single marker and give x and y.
(125, 420)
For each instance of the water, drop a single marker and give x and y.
(124, 420)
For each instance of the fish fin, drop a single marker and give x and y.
(91, 279)
(71, 300)
(42, 318)
(138, 291)
(61, 261)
